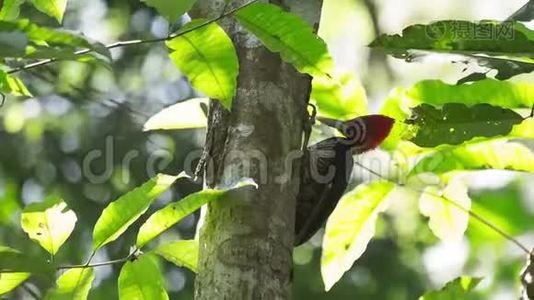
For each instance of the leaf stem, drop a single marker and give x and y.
(134, 254)
(90, 257)
(135, 42)
(99, 264)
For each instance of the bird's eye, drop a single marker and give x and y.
(355, 131)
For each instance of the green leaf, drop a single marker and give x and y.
(172, 10)
(456, 123)
(12, 85)
(10, 9)
(512, 95)
(142, 279)
(446, 220)
(53, 8)
(342, 98)
(289, 35)
(523, 130)
(52, 36)
(337, 96)
(511, 216)
(507, 42)
(24, 39)
(121, 213)
(9, 281)
(456, 289)
(12, 260)
(182, 115)
(74, 284)
(393, 107)
(180, 253)
(49, 223)
(208, 58)
(9, 201)
(458, 36)
(350, 228)
(506, 68)
(171, 214)
(498, 93)
(499, 154)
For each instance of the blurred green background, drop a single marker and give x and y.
(82, 111)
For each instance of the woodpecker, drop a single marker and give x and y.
(327, 167)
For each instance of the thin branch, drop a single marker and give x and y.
(471, 213)
(136, 42)
(99, 264)
(133, 255)
(90, 257)
(31, 292)
(516, 16)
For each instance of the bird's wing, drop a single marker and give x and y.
(321, 187)
(309, 217)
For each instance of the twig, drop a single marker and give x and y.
(225, 7)
(516, 16)
(133, 254)
(127, 108)
(32, 293)
(99, 264)
(135, 42)
(459, 206)
(90, 258)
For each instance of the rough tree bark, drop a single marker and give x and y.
(246, 242)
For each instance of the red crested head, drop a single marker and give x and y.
(365, 132)
(378, 128)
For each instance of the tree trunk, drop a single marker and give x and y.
(246, 242)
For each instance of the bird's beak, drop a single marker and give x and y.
(337, 124)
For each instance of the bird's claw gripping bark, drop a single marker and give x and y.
(310, 121)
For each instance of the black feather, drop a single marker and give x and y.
(326, 170)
